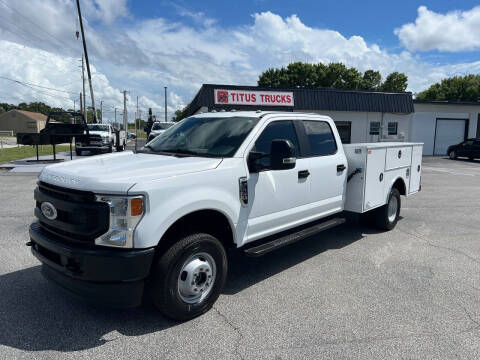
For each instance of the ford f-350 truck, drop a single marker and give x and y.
(102, 138)
(161, 219)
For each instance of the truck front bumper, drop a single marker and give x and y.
(103, 147)
(114, 277)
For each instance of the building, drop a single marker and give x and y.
(439, 124)
(21, 121)
(360, 116)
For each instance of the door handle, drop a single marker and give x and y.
(341, 167)
(303, 174)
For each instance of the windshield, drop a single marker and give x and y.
(97, 127)
(211, 137)
(161, 126)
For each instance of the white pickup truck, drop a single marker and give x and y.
(161, 218)
(102, 138)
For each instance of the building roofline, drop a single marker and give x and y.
(447, 102)
(308, 99)
(254, 87)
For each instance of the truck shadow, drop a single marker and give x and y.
(35, 315)
(245, 271)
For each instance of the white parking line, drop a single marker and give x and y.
(447, 171)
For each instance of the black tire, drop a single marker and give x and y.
(452, 154)
(110, 148)
(78, 152)
(382, 219)
(165, 277)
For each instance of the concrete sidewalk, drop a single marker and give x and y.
(30, 165)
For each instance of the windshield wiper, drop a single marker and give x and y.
(153, 151)
(182, 152)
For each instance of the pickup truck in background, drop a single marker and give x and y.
(102, 138)
(158, 128)
(109, 228)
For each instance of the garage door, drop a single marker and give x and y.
(448, 132)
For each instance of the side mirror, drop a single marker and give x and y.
(282, 155)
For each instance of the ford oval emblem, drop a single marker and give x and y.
(48, 210)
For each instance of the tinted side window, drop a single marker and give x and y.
(275, 130)
(321, 139)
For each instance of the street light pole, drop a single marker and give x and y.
(165, 103)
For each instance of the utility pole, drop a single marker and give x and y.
(115, 116)
(136, 117)
(165, 103)
(101, 111)
(125, 115)
(88, 64)
(74, 105)
(81, 106)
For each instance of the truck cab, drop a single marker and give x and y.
(163, 217)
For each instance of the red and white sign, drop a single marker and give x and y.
(247, 97)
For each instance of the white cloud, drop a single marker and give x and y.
(43, 68)
(453, 31)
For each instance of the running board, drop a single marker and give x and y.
(293, 237)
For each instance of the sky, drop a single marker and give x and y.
(144, 45)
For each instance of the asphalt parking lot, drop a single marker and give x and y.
(350, 292)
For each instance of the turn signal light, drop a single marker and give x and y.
(136, 207)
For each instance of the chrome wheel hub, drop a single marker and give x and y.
(392, 209)
(196, 278)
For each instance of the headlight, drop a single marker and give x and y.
(125, 214)
(105, 139)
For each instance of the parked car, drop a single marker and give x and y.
(162, 218)
(469, 148)
(158, 128)
(131, 135)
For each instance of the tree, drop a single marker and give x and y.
(180, 114)
(395, 82)
(333, 75)
(372, 80)
(90, 115)
(457, 88)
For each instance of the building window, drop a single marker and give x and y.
(344, 130)
(392, 128)
(375, 128)
(31, 125)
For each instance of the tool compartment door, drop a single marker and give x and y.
(374, 179)
(398, 157)
(416, 169)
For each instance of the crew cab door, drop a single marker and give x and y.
(327, 167)
(276, 196)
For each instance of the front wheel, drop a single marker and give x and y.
(386, 217)
(189, 277)
(452, 154)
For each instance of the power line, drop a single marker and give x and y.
(40, 86)
(61, 42)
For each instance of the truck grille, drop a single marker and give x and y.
(79, 217)
(95, 140)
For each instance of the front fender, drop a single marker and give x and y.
(165, 211)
